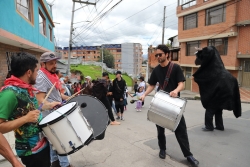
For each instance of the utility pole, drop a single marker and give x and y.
(163, 27)
(102, 58)
(71, 31)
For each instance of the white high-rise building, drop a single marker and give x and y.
(132, 58)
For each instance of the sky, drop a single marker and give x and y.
(130, 21)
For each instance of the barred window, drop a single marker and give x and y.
(220, 44)
(216, 15)
(190, 48)
(190, 21)
(186, 3)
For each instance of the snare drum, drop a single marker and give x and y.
(166, 111)
(96, 114)
(67, 129)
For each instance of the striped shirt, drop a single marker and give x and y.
(43, 84)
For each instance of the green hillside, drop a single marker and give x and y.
(96, 72)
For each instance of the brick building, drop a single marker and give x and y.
(224, 24)
(25, 26)
(93, 53)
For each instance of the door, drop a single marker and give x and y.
(188, 76)
(246, 73)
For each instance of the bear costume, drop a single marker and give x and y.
(218, 88)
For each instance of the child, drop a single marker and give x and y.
(125, 98)
(139, 93)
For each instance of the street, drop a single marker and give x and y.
(134, 142)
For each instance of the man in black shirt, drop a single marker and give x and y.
(175, 85)
(106, 100)
(118, 93)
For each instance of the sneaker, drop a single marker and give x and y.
(122, 119)
(117, 117)
(192, 160)
(162, 154)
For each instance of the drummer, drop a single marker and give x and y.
(18, 112)
(45, 80)
(174, 86)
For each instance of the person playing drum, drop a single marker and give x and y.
(174, 86)
(45, 80)
(19, 106)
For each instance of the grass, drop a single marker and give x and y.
(96, 72)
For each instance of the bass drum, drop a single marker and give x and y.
(95, 112)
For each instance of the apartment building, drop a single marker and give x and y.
(132, 58)
(87, 53)
(115, 49)
(224, 24)
(93, 53)
(25, 26)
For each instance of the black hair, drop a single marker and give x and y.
(142, 78)
(22, 62)
(105, 74)
(57, 72)
(164, 48)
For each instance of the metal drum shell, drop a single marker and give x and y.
(166, 111)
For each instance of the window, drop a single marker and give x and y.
(216, 15)
(187, 3)
(118, 50)
(190, 48)
(220, 44)
(190, 21)
(174, 55)
(42, 23)
(50, 33)
(25, 8)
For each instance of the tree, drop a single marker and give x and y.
(169, 44)
(145, 62)
(108, 58)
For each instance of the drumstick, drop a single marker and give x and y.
(74, 95)
(41, 105)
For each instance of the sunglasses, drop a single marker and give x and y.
(159, 54)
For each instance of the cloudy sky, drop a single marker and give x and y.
(130, 21)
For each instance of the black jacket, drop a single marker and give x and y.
(118, 89)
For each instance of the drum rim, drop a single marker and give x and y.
(87, 142)
(59, 118)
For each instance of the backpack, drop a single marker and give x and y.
(99, 88)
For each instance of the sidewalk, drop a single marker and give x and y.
(189, 95)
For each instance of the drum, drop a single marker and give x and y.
(166, 111)
(67, 129)
(96, 114)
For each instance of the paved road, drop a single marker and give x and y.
(134, 143)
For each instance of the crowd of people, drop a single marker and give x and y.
(28, 86)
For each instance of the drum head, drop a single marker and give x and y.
(58, 114)
(95, 112)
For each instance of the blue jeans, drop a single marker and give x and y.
(64, 162)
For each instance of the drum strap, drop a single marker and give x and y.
(167, 76)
